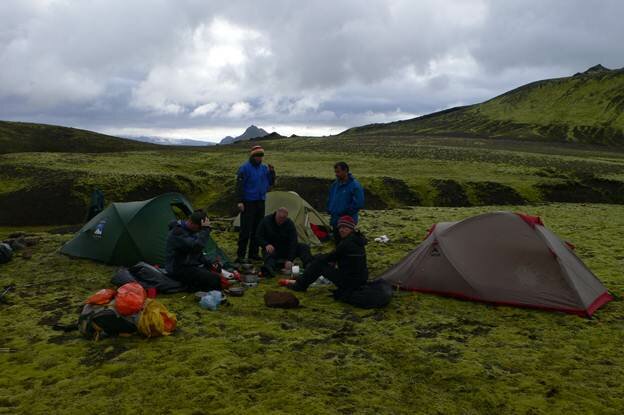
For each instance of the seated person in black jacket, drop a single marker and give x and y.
(345, 266)
(184, 258)
(277, 236)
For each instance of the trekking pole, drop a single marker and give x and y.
(6, 291)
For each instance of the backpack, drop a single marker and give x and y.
(100, 321)
(155, 320)
(5, 253)
(280, 299)
(375, 294)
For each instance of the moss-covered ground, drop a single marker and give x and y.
(421, 354)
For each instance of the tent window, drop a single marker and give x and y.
(180, 211)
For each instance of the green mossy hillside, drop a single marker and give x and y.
(19, 137)
(587, 108)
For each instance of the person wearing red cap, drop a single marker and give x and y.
(253, 181)
(346, 197)
(345, 266)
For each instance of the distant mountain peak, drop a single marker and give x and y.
(250, 133)
(597, 68)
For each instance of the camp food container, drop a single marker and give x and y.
(250, 284)
(249, 278)
(236, 291)
(246, 268)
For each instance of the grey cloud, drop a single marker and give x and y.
(104, 64)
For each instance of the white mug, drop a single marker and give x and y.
(295, 271)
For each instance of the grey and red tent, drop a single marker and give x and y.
(502, 258)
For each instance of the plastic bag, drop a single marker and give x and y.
(211, 300)
(104, 296)
(130, 299)
(156, 320)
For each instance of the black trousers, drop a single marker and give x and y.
(197, 278)
(250, 219)
(319, 267)
(280, 255)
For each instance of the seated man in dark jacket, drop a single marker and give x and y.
(346, 266)
(184, 258)
(277, 236)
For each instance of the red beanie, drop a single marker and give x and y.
(256, 151)
(347, 221)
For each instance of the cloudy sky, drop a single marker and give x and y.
(206, 69)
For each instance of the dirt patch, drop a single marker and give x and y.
(449, 193)
(58, 197)
(462, 327)
(50, 320)
(63, 338)
(47, 202)
(445, 352)
(246, 370)
(493, 193)
(100, 353)
(400, 191)
(584, 190)
(388, 192)
(56, 305)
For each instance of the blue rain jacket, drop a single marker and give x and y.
(345, 199)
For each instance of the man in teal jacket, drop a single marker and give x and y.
(346, 195)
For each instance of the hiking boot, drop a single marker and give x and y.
(266, 272)
(291, 285)
(296, 287)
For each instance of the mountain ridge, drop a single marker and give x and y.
(21, 137)
(587, 107)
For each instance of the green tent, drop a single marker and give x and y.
(300, 211)
(126, 233)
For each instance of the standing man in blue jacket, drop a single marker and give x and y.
(346, 196)
(253, 181)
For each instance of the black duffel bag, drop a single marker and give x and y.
(374, 294)
(149, 277)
